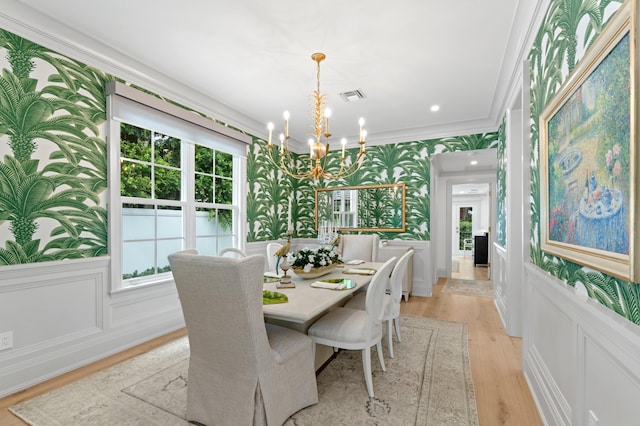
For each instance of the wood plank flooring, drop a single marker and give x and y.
(502, 394)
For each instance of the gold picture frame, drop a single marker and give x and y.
(588, 164)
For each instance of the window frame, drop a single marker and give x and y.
(217, 137)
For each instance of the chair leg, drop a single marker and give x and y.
(380, 357)
(390, 338)
(396, 322)
(366, 363)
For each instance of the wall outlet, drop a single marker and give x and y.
(6, 340)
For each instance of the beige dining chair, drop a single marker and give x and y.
(241, 370)
(392, 305)
(359, 246)
(355, 329)
(232, 252)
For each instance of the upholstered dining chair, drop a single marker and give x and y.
(359, 246)
(392, 305)
(232, 252)
(241, 370)
(272, 260)
(355, 329)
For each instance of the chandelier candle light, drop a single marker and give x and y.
(318, 150)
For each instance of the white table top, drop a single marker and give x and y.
(306, 303)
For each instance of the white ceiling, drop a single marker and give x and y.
(254, 57)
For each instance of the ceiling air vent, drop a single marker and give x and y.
(352, 95)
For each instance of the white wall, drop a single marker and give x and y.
(581, 360)
(63, 316)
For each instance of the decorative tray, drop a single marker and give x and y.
(273, 297)
(314, 272)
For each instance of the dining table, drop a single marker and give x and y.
(307, 303)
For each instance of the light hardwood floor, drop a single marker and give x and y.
(467, 271)
(502, 395)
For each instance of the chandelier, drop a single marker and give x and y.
(319, 155)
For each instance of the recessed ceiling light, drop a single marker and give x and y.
(474, 162)
(435, 108)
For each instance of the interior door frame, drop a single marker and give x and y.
(440, 212)
(449, 182)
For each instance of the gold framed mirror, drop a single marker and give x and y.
(374, 208)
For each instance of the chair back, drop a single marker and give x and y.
(374, 302)
(272, 260)
(396, 280)
(221, 300)
(232, 252)
(359, 246)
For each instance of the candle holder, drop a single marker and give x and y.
(327, 233)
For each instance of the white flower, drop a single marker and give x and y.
(307, 267)
(323, 262)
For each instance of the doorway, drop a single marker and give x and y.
(471, 216)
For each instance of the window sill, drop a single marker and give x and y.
(144, 284)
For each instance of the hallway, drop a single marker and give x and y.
(462, 269)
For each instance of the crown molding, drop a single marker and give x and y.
(34, 26)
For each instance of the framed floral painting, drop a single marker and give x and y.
(588, 165)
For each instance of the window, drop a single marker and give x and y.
(152, 207)
(345, 210)
(173, 187)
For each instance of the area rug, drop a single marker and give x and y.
(469, 287)
(428, 382)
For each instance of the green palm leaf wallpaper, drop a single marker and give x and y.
(501, 187)
(405, 162)
(568, 29)
(53, 169)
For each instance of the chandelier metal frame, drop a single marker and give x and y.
(319, 155)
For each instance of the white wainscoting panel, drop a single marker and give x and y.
(499, 266)
(606, 373)
(73, 308)
(421, 266)
(63, 316)
(137, 305)
(581, 360)
(507, 294)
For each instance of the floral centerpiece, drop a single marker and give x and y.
(308, 263)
